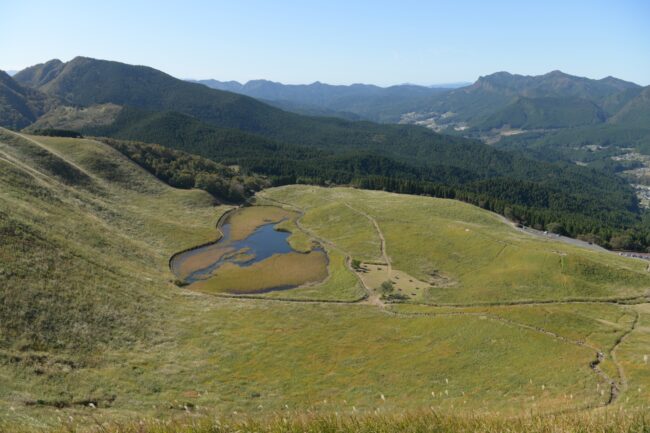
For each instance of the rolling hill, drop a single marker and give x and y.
(467, 170)
(90, 318)
(291, 148)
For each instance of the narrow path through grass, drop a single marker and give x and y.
(616, 387)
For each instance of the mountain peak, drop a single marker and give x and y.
(495, 80)
(40, 74)
(496, 75)
(557, 73)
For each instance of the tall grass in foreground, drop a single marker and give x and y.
(429, 422)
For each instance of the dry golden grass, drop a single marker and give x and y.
(340, 284)
(411, 422)
(200, 260)
(248, 219)
(280, 270)
(166, 349)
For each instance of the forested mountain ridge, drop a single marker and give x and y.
(492, 93)
(369, 102)
(473, 104)
(636, 112)
(40, 74)
(545, 112)
(289, 148)
(88, 82)
(20, 106)
(84, 81)
(555, 83)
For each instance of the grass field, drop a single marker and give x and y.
(474, 255)
(415, 422)
(89, 313)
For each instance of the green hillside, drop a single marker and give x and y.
(545, 113)
(72, 209)
(585, 144)
(483, 259)
(492, 93)
(289, 148)
(20, 106)
(465, 170)
(89, 313)
(65, 117)
(636, 112)
(189, 134)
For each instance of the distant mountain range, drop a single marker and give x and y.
(154, 106)
(356, 101)
(491, 94)
(455, 85)
(104, 98)
(494, 102)
(553, 100)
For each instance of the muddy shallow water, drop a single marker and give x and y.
(264, 243)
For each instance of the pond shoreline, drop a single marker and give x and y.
(218, 225)
(248, 238)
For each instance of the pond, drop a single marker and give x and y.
(262, 261)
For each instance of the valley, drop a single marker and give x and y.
(550, 117)
(500, 322)
(266, 217)
(174, 253)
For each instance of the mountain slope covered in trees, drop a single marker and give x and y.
(379, 104)
(20, 106)
(545, 113)
(290, 148)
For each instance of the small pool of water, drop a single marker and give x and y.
(200, 263)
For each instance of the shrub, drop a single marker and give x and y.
(386, 287)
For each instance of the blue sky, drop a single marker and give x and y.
(380, 42)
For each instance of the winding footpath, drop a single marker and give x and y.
(616, 387)
(621, 373)
(382, 239)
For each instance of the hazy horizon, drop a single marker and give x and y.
(459, 83)
(379, 43)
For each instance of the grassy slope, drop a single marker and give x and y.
(108, 229)
(84, 235)
(488, 260)
(634, 356)
(417, 421)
